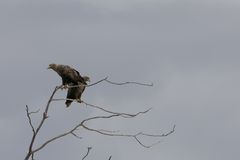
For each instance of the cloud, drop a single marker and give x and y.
(189, 51)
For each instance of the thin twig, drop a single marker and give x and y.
(30, 120)
(104, 130)
(125, 115)
(34, 112)
(124, 83)
(159, 135)
(63, 99)
(89, 148)
(76, 135)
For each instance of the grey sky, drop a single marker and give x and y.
(188, 49)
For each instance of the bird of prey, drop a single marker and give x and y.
(73, 79)
(69, 75)
(75, 93)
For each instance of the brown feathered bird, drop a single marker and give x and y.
(75, 93)
(69, 75)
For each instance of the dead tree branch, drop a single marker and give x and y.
(83, 124)
(111, 82)
(35, 132)
(71, 131)
(135, 136)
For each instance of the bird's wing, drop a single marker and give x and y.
(71, 75)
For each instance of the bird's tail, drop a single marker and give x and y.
(68, 103)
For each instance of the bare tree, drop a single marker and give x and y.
(32, 150)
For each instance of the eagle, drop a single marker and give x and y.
(72, 78)
(75, 93)
(69, 75)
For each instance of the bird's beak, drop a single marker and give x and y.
(48, 67)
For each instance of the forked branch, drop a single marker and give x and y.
(83, 124)
(114, 133)
(35, 131)
(89, 148)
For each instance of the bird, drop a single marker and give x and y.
(75, 92)
(69, 75)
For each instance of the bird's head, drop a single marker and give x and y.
(52, 66)
(86, 78)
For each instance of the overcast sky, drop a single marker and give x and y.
(188, 49)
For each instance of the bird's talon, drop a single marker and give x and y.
(79, 100)
(64, 87)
